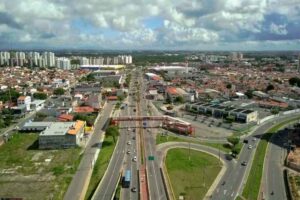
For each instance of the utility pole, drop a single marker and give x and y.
(219, 151)
(189, 151)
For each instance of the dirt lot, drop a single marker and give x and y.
(29, 173)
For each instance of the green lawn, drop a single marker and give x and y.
(162, 139)
(26, 173)
(101, 165)
(191, 178)
(252, 186)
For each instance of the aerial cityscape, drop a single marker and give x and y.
(160, 100)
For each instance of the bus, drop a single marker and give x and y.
(127, 179)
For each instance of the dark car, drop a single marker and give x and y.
(244, 163)
(133, 189)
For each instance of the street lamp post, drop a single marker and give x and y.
(189, 151)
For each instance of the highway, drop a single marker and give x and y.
(121, 161)
(79, 181)
(130, 164)
(236, 178)
(156, 187)
(273, 186)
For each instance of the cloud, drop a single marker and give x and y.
(278, 29)
(161, 24)
(8, 20)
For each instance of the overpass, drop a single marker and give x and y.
(167, 122)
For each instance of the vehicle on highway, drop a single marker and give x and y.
(128, 129)
(244, 163)
(254, 139)
(129, 143)
(224, 182)
(134, 110)
(128, 152)
(133, 137)
(126, 179)
(246, 141)
(250, 146)
(133, 189)
(134, 159)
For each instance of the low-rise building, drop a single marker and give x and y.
(62, 135)
(37, 105)
(172, 93)
(34, 126)
(24, 100)
(218, 111)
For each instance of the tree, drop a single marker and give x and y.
(10, 93)
(90, 77)
(179, 99)
(59, 91)
(112, 131)
(270, 87)
(236, 150)
(275, 111)
(40, 95)
(88, 119)
(249, 94)
(233, 140)
(294, 81)
(229, 86)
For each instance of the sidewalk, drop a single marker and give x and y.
(80, 181)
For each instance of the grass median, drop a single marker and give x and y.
(192, 177)
(101, 165)
(252, 186)
(162, 139)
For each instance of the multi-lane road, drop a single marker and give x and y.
(155, 182)
(122, 158)
(236, 177)
(230, 184)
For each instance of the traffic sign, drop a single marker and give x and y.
(150, 157)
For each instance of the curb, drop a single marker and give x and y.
(105, 173)
(165, 173)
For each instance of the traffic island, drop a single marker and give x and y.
(191, 172)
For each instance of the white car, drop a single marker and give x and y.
(129, 143)
(134, 159)
(128, 152)
(250, 146)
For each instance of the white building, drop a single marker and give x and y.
(125, 59)
(4, 58)
(96, 61)
(33, 58)
(84, 61)
(49, 58)
(20, 58)
(115, 60)
(42, 62)
(63, 63)
(24, 100)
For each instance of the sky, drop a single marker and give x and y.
(150, 24)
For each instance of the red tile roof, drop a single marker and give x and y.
(84, 109)
(65, 118)
(171, 90)
(112, 98)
